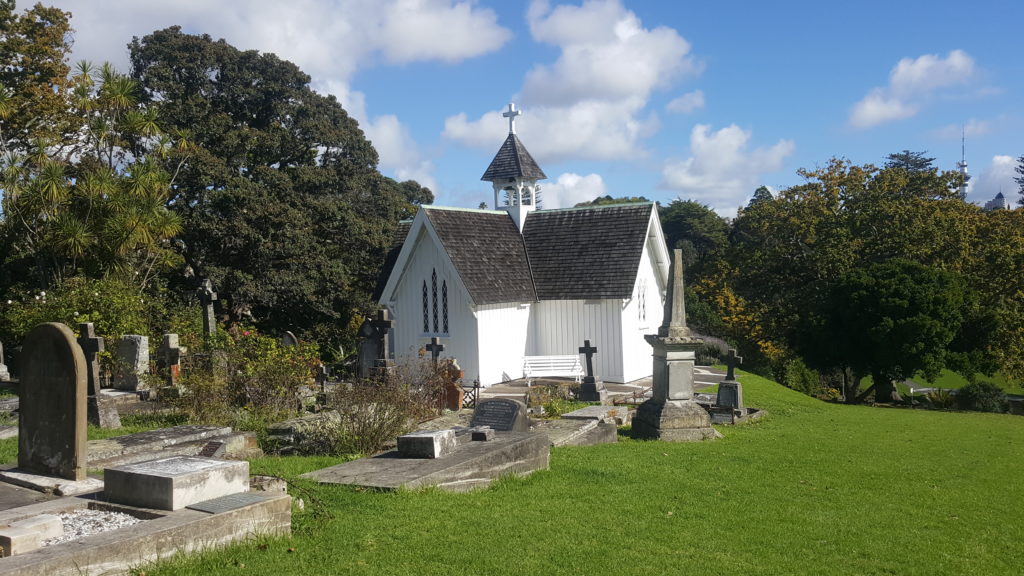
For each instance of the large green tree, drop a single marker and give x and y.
(282, 204)
(695, 228)
(891, 320)
(79, 198)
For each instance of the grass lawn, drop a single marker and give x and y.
(949, 379)
(815, 488)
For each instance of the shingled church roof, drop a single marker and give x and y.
(488, 253)
(513, 161)
(571, 254)
(586, 253)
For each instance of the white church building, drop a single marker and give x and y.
(497, 286)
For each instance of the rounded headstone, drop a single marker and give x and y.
(52, 413)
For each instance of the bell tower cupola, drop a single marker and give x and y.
(514, 174)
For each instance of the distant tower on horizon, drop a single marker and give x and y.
(962, 164)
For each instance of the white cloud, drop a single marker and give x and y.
(398, 151)
(877, 108)
(911, 82)
(591, 129)
(570, 189)
(722, 170)
(591, 103)
(606, 54)
(996, 177)
(687, 102)
(328, 39)
(972, 129)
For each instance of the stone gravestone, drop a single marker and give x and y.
(101, 410)
(382, 324)
(207, 297)
(168, 359)
(591, 390)
(435, 348)
(502, 414)
(368, 349)
(730, 392)
(289, 339)
(52, 415)
(132, 361)
(4, 373)
(671, 413)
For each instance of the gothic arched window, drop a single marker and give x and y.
(433, 293)
(426, 323)
(444, 307)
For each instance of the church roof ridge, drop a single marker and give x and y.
(459, 209)
(598, 207)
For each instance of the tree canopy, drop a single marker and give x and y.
(282, 204)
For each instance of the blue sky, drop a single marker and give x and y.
(663, 99)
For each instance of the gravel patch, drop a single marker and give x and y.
(84, 522)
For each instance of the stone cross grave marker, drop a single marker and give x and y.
(101, 411)
(368, 352)
(589, 351)
(207, 297)
(502, 414)
(435, 348)
(168, 357)
(591, 390)
(731, 360)
(382, 325)
(52, 415)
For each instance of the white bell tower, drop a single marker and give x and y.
(514, 174)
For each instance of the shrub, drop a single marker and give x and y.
(801, 378)
(941, 399)
(373, 412)
(982, 396)
(245, 379)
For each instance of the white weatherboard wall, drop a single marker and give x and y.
(641, 315)
(561, 326)
(407, 306)
(504, 330)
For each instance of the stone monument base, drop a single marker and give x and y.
(673, 421)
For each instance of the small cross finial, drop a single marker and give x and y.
(511, 115)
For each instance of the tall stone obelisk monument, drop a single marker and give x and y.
(671, 413)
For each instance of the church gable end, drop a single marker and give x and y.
(587, 253)
(487, 252)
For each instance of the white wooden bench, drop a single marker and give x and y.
(568, 365)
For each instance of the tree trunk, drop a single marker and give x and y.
(885, 390)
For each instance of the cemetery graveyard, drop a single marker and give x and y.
(187, 487)
(235, 346)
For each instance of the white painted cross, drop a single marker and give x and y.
(511, 115)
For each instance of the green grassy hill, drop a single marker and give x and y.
(815, 488)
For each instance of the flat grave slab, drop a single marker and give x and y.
(579, 432)
(471, 465)
(50, 484)
(615, 414)
(159, 535)
(176, 482)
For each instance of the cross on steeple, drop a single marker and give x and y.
(511, 115)
(731, 360)
(435, 348)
